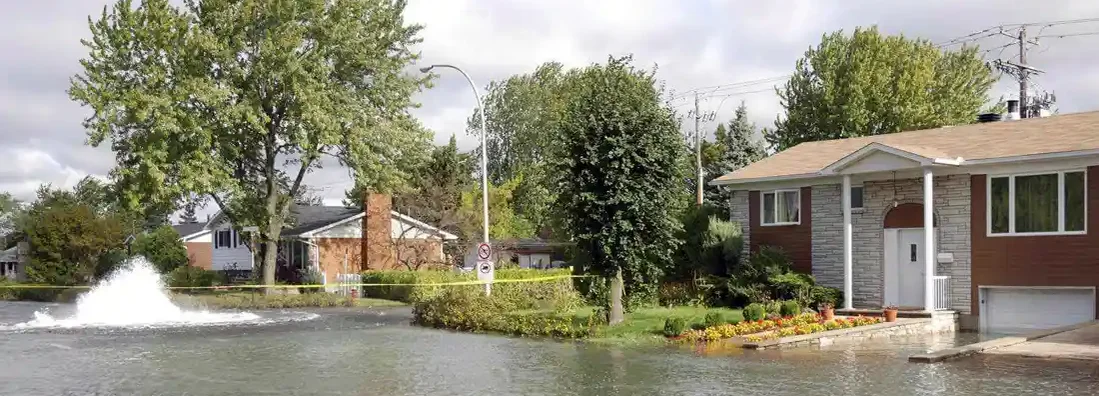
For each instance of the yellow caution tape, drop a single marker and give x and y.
(462, 283)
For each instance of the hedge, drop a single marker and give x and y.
(423, 290)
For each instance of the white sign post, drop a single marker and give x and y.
(486, 269)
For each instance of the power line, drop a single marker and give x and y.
(722, 87)
(1067, 35)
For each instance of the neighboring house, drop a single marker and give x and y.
(526, 253)
(1007, 234)
(198, 241)
(337, 240)
(13, 262)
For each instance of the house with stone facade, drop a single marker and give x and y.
(334, 240)
(997, 221)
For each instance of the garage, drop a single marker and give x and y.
(1014, 310)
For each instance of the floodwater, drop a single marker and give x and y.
(375, 352)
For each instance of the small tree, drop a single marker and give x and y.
(68, 239)
(618, 176)
(162, 248)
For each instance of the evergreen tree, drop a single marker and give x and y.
(733, 148)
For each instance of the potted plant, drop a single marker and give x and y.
(890, 313)
(827, 311)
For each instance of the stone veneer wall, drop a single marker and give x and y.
(738, 212)
(952, 212)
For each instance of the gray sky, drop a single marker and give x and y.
(695, 43)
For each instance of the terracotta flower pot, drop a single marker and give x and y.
(890, 315)
(828, 313)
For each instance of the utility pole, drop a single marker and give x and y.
(698, 150)
(1023, 107)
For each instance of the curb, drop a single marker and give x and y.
(966, 350)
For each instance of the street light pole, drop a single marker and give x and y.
(484, 151)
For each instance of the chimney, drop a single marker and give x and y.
(1012, 110)
(377, 238)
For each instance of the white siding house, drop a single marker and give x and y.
(230, 249)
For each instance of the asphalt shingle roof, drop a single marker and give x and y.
(308, 218)
(1055, 134)
(185, 229)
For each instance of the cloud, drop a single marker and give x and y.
(695, 43)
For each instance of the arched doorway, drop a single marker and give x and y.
(905, 265)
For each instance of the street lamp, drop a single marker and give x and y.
(484, 149)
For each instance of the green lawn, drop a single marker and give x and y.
(645, 325)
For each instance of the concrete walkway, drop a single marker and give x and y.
(1082, 344)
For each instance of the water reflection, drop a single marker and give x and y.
(346, 352)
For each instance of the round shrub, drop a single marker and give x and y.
(188, 276)
(755, 311)
(674, 327)
(790, 308)
(714, 319)
(773, 307)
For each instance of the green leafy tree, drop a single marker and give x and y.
(523, 116)
(869, 84)
(69, 240)
(733, 148)
(9, 211)
(504, 223)
(238, 100)
(162, 247)
(619, 176)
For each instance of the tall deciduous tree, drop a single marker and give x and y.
(239, 100)
(619, 176)
(732, 148)
(523, 114)
(70, 234)
(869, 84)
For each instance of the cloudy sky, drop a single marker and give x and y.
(695, 43)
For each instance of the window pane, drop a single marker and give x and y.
(856, 197)
(768, 208)
(999, 204)
(789, 213)
(1074, 201)
(1036, 203)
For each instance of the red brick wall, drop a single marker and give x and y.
(200, 254)
(377, 238)
(795, 240)
(1056, 260)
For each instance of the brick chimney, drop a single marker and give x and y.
(377, 240)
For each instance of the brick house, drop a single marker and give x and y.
(337, 240)
(995, 221)
(196, 238)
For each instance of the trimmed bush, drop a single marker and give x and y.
(754, 311)
(820, 295)
(188, 276)
(715, 319)
(673, 327)
(790, 308)
(466, 308)
(773, 307)
(418, 286)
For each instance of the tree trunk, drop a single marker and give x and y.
(270, 251)
(616, 314)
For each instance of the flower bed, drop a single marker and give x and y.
(759, 330)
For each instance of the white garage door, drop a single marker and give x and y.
(1020, 310)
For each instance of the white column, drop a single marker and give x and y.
(848, 259)
(929, 239)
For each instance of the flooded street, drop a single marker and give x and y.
(351, 352)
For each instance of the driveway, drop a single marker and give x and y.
(1081, 343)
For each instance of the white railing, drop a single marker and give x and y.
(942, 292)
(344, 282)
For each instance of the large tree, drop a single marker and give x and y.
(523, 114)
(732, 148)
(869, 84)
(619, 176)
(238, 100)
(71, 234)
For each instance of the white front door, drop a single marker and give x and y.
(910, 268)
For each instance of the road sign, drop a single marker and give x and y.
(486, 271)
(484, 251)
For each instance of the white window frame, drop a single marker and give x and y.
(1011, 204)
(854, 208)
(776, 194)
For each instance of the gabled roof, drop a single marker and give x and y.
(1004, 140)
(308, 218)
(189, 229)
